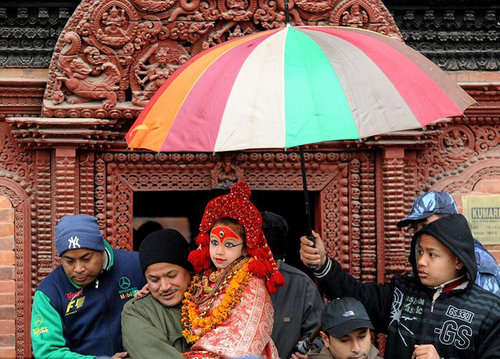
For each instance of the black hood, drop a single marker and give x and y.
(453, 231)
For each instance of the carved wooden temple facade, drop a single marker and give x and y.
(75, 75)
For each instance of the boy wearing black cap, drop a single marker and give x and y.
(151, 325)
(77, 307)
(345, 331)
(438, 312)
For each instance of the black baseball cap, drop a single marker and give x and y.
(343, 315)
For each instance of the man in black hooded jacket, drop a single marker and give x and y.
(437, 313)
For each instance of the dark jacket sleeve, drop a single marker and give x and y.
(311, 315)
(377, 298)
(490, 346)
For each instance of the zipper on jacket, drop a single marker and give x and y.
(426, 319)
(106, 313)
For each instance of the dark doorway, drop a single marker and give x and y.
(187, 207)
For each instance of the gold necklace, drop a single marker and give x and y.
(196, 323)
(204, 291)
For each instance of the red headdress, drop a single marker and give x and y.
(236, 205)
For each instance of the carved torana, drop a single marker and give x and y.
(113, 55)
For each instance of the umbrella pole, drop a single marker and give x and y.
(287, 13)
(306, 192)
(306, 202)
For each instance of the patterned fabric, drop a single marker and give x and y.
(247, 331)
(201, 355)
(430, 203)
(488, 271)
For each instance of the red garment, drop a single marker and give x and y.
(247, 331)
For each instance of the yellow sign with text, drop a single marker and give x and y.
(483, 214)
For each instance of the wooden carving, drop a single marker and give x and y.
(84, 81)
(16, 183)
(114, 55)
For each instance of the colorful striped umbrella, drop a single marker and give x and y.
(293, 86)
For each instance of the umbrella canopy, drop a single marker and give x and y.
(293, 86)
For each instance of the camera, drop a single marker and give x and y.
(303, 347)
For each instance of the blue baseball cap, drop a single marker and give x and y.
(430, 203)
(78, 231)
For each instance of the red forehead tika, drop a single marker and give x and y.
(223, 233)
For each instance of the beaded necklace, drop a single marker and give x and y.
(232, 282)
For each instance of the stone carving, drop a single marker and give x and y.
(224, 31)
(237, 10)
(87, 183)
(451, 156)
(14, 163)
(79, 77)
(116, 23)
(366, 15)
(356, 16)
(29, 32)
(17, 196)
(457, 143)
(464, 40)
(153, 6)
(113, 55)
(126, 173)
(314, 7)
(396, 246)
(225, 174)
(66, 198)
(154, 68)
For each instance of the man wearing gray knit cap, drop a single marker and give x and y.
(151, 324)
(77, 307)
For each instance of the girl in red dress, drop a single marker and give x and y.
(227, 310)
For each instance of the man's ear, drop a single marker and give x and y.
(326, 339)
(458, 264)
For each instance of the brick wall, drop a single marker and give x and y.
(7, 285)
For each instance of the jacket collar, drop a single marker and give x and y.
(107, 263)
(371, 355)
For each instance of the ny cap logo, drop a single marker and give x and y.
(73, 242)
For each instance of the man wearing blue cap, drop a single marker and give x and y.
(433, 205)
(77, 307)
